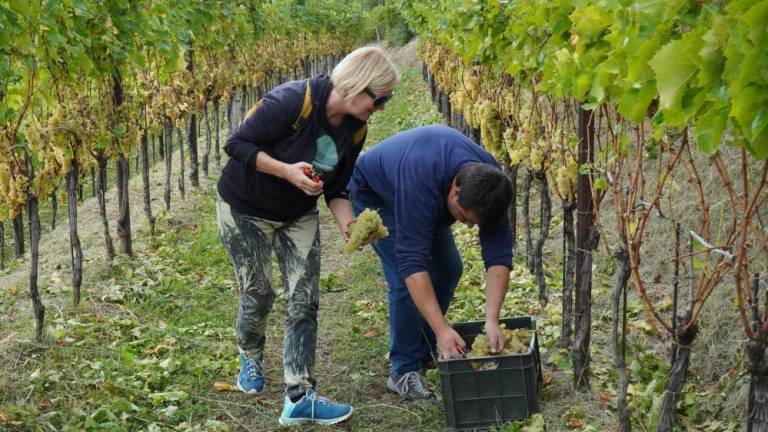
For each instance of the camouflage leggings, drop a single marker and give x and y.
(249, 241)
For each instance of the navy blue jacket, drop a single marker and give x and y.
(411, 174)
(330, 150)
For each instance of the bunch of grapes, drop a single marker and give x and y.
(516, 341)
(537, 156)
(516, 152)
(507, 103)
(14, 183)
(471, 81)
(566, 178)
(368, 224)
(490, 124)
(441, 63)
(47, 144)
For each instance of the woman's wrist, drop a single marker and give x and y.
(269, 165)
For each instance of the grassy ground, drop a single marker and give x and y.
(154, 334)
(151, 347)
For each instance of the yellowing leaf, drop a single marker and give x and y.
(548, 377)
(220, 386)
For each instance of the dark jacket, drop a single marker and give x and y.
(411, 173)
(270, 130)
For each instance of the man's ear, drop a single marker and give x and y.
(454, 188)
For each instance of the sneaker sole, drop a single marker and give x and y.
(292, 421)
(251, 391)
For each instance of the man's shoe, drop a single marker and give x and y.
(410, 385)
(251, 378)
(314, 408)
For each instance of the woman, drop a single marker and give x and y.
(300, 142)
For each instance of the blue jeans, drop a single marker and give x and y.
(411, 340)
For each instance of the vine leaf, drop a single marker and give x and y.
(709, 130)
(590, 21)
(674, 66)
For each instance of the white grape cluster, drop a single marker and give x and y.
(516, 342)
(566, 178)
(490, 125)
(48, 148)
(507, 105)
(367, 225)
(14, 183)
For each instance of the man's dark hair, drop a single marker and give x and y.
(485, 191)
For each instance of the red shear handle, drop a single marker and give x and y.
(312, 174)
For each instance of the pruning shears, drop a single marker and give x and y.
(312, 174)
(462, 354)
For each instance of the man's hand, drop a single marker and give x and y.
(495, 336)
(450, 344)
(295, 174)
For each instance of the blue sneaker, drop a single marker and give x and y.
(251, 378)
(314, 408)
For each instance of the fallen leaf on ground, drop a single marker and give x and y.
(220, 386)
(548, 377)
(606, 396)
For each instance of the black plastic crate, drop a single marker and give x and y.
(478, 399)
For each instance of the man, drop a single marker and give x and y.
(421, 181)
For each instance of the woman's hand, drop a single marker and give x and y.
(347, 232)
(295, 174)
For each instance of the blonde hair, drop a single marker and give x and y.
(365, 67)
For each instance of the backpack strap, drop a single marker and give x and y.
(252, 110)
(306, 108)
(359, 136)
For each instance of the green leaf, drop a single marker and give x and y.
(674, 66)
(759, 126)
(589, 22)
(119, 130)
(601, 184)
(581, 86)
(121, 405)
(634, 103)
(158, 398)
(709, 129)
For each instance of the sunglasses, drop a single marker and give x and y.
(378, 100)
